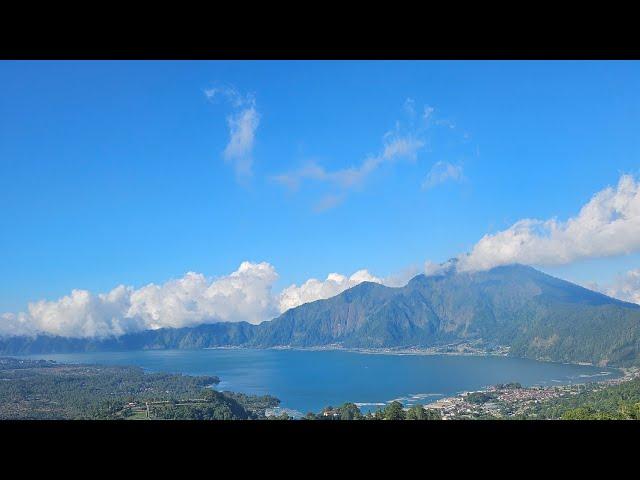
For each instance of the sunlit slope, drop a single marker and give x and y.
(537, 315)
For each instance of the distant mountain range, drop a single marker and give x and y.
(536, 315)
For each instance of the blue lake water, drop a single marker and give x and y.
(310, 380)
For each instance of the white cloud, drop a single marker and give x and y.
(441, 172)
(394, 148)
(191, 300)
(609, 224)
(80, 314)
(397, 144)
(12, 324)
(242, 128)
(243, 123)
(336, 283)
(400, 279)
(405, 141)
(314, 289)
(431, 268)
(625, 287)
(244, 295)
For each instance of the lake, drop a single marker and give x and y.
(310, 380)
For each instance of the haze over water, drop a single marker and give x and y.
(311, 380)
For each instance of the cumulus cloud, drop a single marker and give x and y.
(83, 314)
(191, 300)
(336, 283)
(625, 287)
(243, 123)
(80, 314)
(314, 289)
(609, 224)
(244, 295)
(440, 173)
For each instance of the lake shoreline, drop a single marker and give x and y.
(457, 406)
(626, 373)
(502, 351)
(373, 351)
(308, 382)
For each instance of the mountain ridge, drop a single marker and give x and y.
(536, 315)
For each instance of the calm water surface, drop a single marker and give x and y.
(310, 380)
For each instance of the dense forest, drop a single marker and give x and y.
(38, 389)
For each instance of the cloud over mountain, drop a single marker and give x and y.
(314, 289)
(625, 287)
(607, 225)
(245, 294)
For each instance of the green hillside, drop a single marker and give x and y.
(536, 315)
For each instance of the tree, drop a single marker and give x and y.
(432, 414)
(350, 411)
(416, 412)
(630, 411)
(585, 413)
(394, 411)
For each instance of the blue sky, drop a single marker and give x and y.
(114, 172)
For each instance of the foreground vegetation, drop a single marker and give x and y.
(617, 402)
(617, 399)
(38, 389)
(393, 411)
